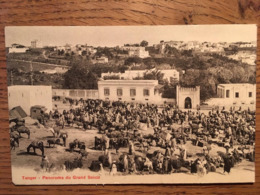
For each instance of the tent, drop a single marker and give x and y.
(17, 112)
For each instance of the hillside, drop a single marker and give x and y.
(206, 70)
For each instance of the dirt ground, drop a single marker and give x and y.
(59, 154)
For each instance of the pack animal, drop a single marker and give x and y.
(16, 137)
(71, 165)
(53, 142)
(22, 129)
(36, 145)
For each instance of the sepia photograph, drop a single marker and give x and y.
(166, 104)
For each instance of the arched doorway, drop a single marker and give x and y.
(187, 103)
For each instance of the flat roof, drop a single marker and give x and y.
(132, 82)
(235, 84)
(129, 81)
(28, 86)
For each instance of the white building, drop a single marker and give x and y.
(136, 51)
(91, 50)
(58, 70)
(169, 75)
(27, 96)
(235, 95)
(17, 48)
(127, 75)
(239, 93)
(162, 45)
(143, 91)
(175, 44)
(102, 59)
(245, 57)
(131, 74)
(192, 45)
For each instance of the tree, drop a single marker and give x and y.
(61, 52)
(154, 75)
(149, 62)
(202, 78)
(169, 90)
(239, 75)
(222, 74)
(133, 60)
(144, 43)
(84, 53)
(171, 51)
(112, 77)
(78, 77)
(104, 52)
(191, 78)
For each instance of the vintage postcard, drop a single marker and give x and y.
(132, 104)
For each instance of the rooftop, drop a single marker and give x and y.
(17, 87)
(236, 84)
(132, 82)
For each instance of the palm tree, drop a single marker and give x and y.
(154, 75)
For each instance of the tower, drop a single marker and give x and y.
(188, 97)
(34, 43)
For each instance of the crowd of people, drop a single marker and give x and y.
(120, 124)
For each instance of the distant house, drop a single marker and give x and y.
(68, 48)
(102, 60)
(170, 75)
(34, 44)
(136, 51)
(244, 57)
(247, 45)
(17, 48)
(58, 70)
(131, 74)
(91, 50)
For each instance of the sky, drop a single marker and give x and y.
(119, 35)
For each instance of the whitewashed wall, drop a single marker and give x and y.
(27, 96)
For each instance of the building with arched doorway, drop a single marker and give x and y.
(188, 98)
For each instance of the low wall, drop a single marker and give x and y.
(220, 102)
(169, 100)
(76, 93)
